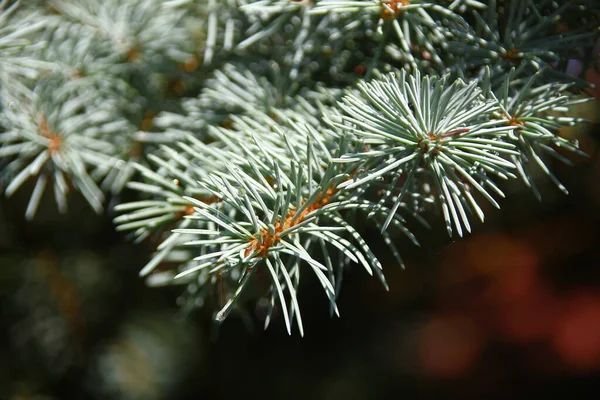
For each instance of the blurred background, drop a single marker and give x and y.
(512, 310)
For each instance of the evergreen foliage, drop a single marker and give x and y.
(256, 136)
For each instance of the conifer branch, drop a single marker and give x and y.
(256, 136)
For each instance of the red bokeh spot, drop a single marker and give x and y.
(529, 318)
(490, 255)
(577, 332)
(448, 346)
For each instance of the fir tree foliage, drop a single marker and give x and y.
(418, 26)
(525, 35)
(58, 135)
(536, 111)
(259, 137)
(408, 122)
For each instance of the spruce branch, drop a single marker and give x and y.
(15, 35)
(274, 225)
(163, 204)
(311, 35)
(236, 89)
(408, 122)
(57, 135)
(421, 28)
(266, 209)
(75, 52)
(537, 111)
(135, 28)
(463, 6)
(269, 130)
(527, 39)
(225, 25)
(264, 90)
